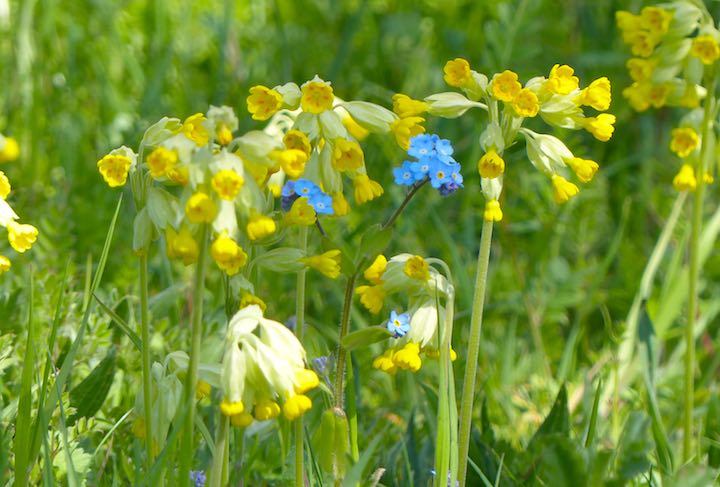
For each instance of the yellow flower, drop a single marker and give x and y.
(376, 270)
(328, 263)
(655, 19)
(385, 362)
(708, 178)
(179, 175)
(266, 409)
(260, 226)
(231, 408)
(685, 180)
(457, 73)
(5, 187)
(275, 189)
(408, 357)
(657, 95)
(247, 299)
(417, 268)
(114, 169)
(491, 165)
(263, 102)
(630, 24)
(305, 380)
(340, 205)
(563, 189)
(223, 134)
(706, 48)
(505, 86)
(638, 95)
(372, 297)
(301, 213)
(296, 406)
(366, 189)
(354, 128)
(643, 43)
(405, 106)
(584, 169)
(317, 96)
(4, 264)
(684, 141)
(405, 129)
(10, 150)
(492, 212)
(241, 420)
(228, 255)
(227, 184)
(21, 236)
(640, 69)
(347, 155)
(525, 103)
(161, 161)
(597, 95)
(200, 208)
(292, 161)
(194, 130)
(295, 139)
(562, 80)
(601, 127)
(202, 389)
(181, 245)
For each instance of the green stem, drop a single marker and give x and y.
(147, 377)
(396, 214)
(187, 447)
(468, 394)
(299, 325)
(344, 327)
(219, 470)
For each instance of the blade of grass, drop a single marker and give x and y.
(22, 425)
(120, 323)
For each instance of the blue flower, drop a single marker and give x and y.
(421, 168)
(439, 173)
(305, 187)
(434, 162)
(398, 324)
(288, 189)
(422, 145)
(404, 175)
(198, 476)
(444, 149)
(322, 203)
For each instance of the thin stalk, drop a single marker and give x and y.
(219, 469)
(468, 394)
(147, 378)
(404, 203)
(694, 244)
(299, 325)
(187, 446)
(344, 326)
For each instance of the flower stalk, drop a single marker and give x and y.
(299, 326)
(146, 373)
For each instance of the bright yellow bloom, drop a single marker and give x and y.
(505, 86)
(684, 141)
(354, 128)
(640, 69)
(601, 127)
(685, 180)
(340, 205)
(305, 380)
(317, 96)
(223, 134)
(597, 95)
(492, 212)
(227, 184)
(327, 263)
(266, 409)
(658, 94)
(366, 189)
(376, 270)
(491, 165)
(263, 102)
(4, 264)
(405, 106)
(260, 226)
(247, 299)
(275, 189)
(638, 95)
(228, 255)
(584, 169)
(114, 169)
(292, 161)
(242, 420)
(347, 155)
(10, 150)
(295, 139)
(630, 24)
(655, 19)
(200, 208)
(194, 130)
(301, 213)
(563, 189)
(231, 408)
(417, 268)
(179, 175)
(525, 103)
(372, 297)
(5, 187)
(562, 80)
(643, 43)
(21, 236)
(202, 389)
(181, 245)
(405, 129)
(408, 357)
(161, 160)
(706, 48)
(385, 362)
(457, 72)
(296, 406)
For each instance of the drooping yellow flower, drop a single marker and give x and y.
(296, 406)
(404, 106)
(114, 169)
(706, 48)
(597, 95)
(260, 226)
(505, 86)
(638, 95)
(640, 69)
(161, 161)
(372, 297)
(227, 183)
(408, 357)
(601, 127)
(563, 189)
(242, 420)
(366, 189)
(263, 102)
(684, 140)
(417, 268)
(525, 103)
(354, 128)
(5, 187)
(317, 96)
(179, 175)
(584, 169)
(181, 245)
(457, 72)
(327, 263)
(200, 208)
(228, 255)
(202, 389)
(491, 165)
(376, 270)
(292, 161)
(247, 299)
(347, 155)
(229, 408)
(492, 212)
(223, 134)
(385, 362)
(21, 236)
(685, 180)
(629, 23)
(562, 80)
(657, 95)
(655, 19)
(405, 129)
(194, 129)
(266, 409)
(4, 264)
(643, 43)
(10, 150)
(340, 205)
(305, 380)
(301, 213)
(295, 139)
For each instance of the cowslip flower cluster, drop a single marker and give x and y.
(557, 99)
(21, 236)
(434, 163)
(672, 43)
(414, 331)
(263, 371)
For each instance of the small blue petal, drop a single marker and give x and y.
(322, 203)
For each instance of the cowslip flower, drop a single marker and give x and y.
(115, 166)
(9, 149)
(366, 189)
(181, 245)
(327, 263)
(263, 102)
(260, 226)
(684, 141)
(194, 129)
(685, 179)
(227, 254)
(200, 208)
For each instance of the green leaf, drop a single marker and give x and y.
(134, 338)
(560, 463)
(23, 457)
(88, 396)
(162, 207)
(354, 475)
(558, 420)
(373, 242)
(592, 424)
(633, 447)
(142, 231)
(712, 431)
(365, 337)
